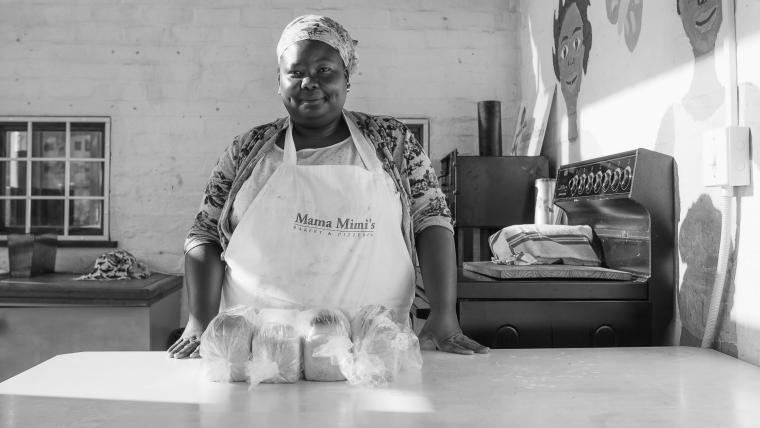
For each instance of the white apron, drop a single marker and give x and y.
(322, 236)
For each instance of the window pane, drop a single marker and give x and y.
(86, 179)
(85, 217)
(12, 178)
(48, 140)
(47, 216)
(87, 140)
(12, 216)
(48, 178)
(13, 139)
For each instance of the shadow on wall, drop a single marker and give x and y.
(699, 242)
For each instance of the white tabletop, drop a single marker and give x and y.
(603, 387)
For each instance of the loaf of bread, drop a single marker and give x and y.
(319, 327)
(226, 345)
(382, 347)
(276, 354)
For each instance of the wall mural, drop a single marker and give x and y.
(572, 44)
(627, 15)
(701, 108)
(701, 20)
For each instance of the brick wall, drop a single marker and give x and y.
(180, 78)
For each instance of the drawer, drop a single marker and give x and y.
(556, 324)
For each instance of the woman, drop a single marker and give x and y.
(323, 208)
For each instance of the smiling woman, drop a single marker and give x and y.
(322, 162)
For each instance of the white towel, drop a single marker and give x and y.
(532, 244)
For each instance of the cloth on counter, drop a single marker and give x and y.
(532, 244)
(115, 265)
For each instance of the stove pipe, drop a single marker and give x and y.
(489, 128)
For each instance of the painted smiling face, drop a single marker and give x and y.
(701, 20)
(570, 54)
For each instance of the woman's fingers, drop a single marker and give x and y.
(452, 346)
(468, 343)
(461, 344)
(184, 347)
(177, 345)
(189, 347)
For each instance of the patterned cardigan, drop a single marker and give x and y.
(403, 158)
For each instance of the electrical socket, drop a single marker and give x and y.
(725, 157)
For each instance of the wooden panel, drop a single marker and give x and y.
(498, 271)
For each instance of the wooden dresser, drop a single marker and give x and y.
(52, 314)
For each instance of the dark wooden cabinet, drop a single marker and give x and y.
(487, 193)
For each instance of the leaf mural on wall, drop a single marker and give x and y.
(627, 15)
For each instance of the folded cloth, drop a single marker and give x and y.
(543, 244)
(117, 264)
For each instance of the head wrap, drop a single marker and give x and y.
(323, 29)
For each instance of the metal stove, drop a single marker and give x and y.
(629, 201)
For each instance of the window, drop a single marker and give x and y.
(54, 176)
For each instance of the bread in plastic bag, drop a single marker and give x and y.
(276, 354)
(381, 348)
(318, 327)
(225, 347)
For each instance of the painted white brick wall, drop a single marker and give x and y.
(179, 79)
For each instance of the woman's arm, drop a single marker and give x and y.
(431, 220)
(204, 273)
(204, 268)
(435, 251)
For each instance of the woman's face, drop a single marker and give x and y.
(313, 83)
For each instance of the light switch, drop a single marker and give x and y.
(725, 157)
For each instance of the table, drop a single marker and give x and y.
(46, 315)
(583, 387)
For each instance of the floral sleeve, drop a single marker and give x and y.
(428, 201)
(205, 227)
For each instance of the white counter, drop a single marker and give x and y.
(607, 387)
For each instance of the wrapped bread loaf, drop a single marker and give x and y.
(369, 319)
(276, 354)
(382, 347)
(320, 327)
(225, 346)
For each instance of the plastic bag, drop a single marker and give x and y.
(276, 354)
(381, 348)
(319, 327)
(226, 344)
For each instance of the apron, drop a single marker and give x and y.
(322, 236)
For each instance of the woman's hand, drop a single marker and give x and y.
(188, 345)
(444, 334)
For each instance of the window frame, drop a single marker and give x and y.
(67, 197)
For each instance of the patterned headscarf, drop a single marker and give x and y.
(323, 29)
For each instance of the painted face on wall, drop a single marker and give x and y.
(701, 21)
(570, 52)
